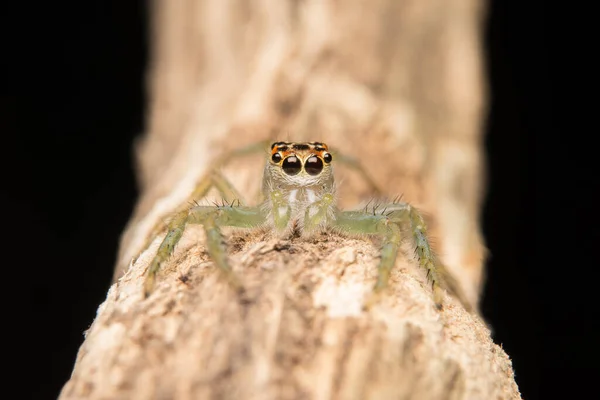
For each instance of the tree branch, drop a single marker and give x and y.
(397, 85)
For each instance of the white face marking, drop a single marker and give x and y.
(282, 211)
(292, 197)
(312, 211)
(311, 195)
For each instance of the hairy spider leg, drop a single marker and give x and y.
(281, 210)
(389, 225)
(317, 213)
(212, 179)
(212, 219)
(216, 179)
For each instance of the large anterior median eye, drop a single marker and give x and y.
(291, 165)
(313, 165)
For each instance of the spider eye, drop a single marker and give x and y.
(313, 165)
(291, 165)
(276, 158)
(327, 158)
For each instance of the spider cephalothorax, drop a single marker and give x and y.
(299, 194)
(297, 177)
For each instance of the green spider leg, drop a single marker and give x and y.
(390, 224)
(281, 210)
(215, 179)
(317, 213)
(212, 179)
(212, 219)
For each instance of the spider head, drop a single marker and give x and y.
(301, 164)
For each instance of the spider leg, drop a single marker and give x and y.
(212, 219)
(282, 210)
(359, 222)
(436, 271)
(213, 178)
(316, 214)
(397, 218)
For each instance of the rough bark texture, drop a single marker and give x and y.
(396, 84)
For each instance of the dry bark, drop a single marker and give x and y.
(396, 84)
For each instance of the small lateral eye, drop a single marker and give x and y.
(291, 165)
(313, 165)
(276, 158)
(327, 158)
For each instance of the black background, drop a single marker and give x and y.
(73, 99)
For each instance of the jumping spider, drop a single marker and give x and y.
(299, 193)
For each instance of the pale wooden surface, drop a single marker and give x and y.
(396, 84)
